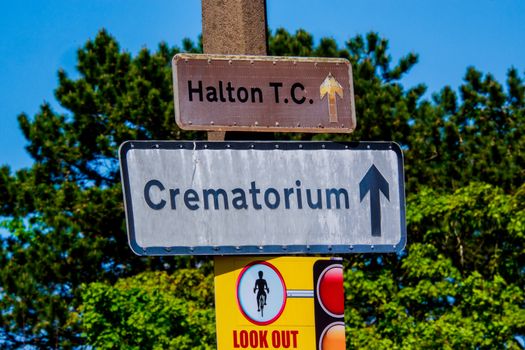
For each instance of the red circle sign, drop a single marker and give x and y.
(261, 293)
(330, 291)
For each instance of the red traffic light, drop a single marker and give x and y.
(330, 290)
(329, 300)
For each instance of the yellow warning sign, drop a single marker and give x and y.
(277, 303)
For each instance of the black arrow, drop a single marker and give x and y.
(374, 182)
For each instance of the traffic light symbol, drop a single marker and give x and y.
(329, 305)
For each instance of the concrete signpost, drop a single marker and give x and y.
(236, 200)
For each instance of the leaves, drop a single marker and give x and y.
(477, 136)
(432, 305)
(479, 227)
(151, 310)
(68, 278)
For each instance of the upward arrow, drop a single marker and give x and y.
(374, 182)
(331, 87)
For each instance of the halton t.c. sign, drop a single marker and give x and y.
(263, 93)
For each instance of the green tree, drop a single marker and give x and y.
(476, 137)
(65, 212)
(152, 310)
(459, 284)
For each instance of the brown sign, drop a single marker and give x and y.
(263, 93)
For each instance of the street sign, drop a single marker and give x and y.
(279, 303)
(263, 93)
(216, 198)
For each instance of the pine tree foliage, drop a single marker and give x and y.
(476, 136)
(66, 210)
(68, 278)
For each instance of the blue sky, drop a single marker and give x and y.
(39, 37)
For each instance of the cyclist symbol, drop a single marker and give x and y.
(254, 283)
(261, 287)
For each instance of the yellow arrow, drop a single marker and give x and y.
(331, 87)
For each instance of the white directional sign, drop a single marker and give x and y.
(263, 197)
